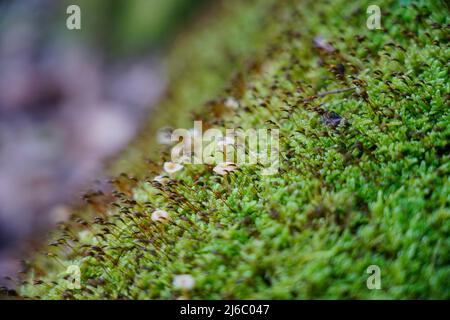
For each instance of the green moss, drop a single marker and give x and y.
(373, 191)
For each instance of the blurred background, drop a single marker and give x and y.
(70, 99)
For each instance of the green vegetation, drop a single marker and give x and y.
(370, 187)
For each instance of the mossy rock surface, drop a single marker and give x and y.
(371, 189)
